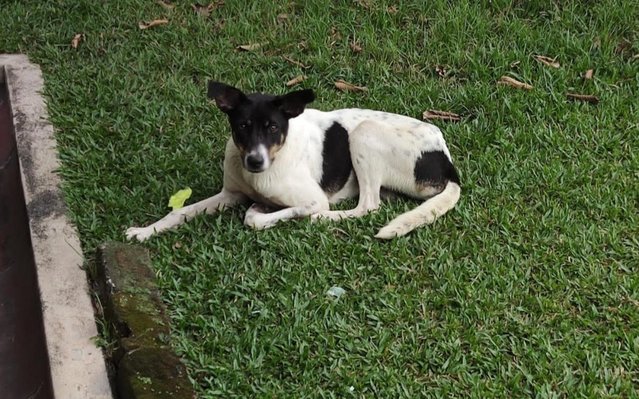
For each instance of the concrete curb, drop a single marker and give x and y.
(146, 366)
(77, 366)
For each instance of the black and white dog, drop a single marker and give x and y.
(293, 162)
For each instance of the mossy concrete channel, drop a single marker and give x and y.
(47, 322)
(145, 366)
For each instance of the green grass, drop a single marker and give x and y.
(529, 288)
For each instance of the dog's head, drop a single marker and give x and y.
(259, 122)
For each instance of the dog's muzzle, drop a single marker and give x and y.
(257, 160)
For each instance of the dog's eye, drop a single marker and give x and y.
(273, 129)
(244, 125)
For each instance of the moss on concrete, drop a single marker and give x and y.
(145, 365)
(151, 373)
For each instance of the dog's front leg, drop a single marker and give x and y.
(259, 220)
(175, 218)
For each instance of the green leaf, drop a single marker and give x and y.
(177, 200)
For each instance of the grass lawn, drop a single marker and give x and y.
(529, 288)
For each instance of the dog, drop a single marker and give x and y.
(293, 162)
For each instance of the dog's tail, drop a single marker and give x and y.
(426, 213)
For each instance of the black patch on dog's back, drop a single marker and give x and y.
(434, 168)
(336, 159)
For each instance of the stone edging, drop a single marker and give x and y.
(145, 365)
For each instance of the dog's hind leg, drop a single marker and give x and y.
(259, 220)
(175, 218)
(425, 213)
(304, 200)
(411, 159)
(366, 164)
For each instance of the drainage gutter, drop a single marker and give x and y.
(77, 366)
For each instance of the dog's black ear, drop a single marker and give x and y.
(292, 104)
(226, 97)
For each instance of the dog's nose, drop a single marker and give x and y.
(254, 161)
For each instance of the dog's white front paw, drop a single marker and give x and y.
(251, 213)
(389, 232)
(258, 221)
(139, 233)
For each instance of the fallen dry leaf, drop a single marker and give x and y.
(295, 81)
(166, 4)
(441, 115)
(345, 86)
(588, 74)
(551, 62)
(508, 81)
(75, 42)
(156, 22)
(392, 9)
(292, 61)
(355, 47)
(251, 47)
(515, 64)
(583, 97)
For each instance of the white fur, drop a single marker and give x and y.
(384, 148)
